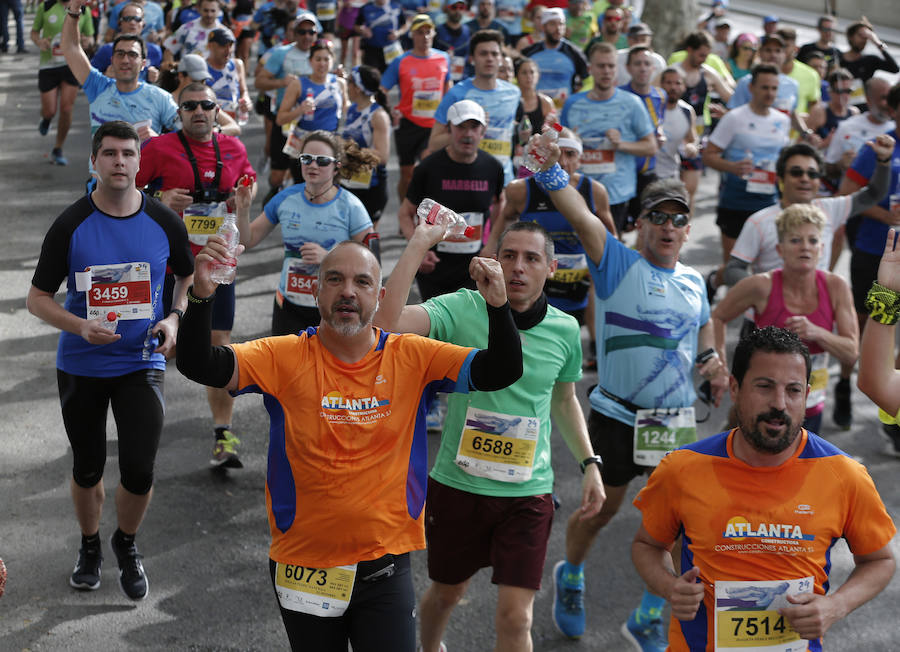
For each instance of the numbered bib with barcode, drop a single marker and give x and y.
(498, 446)
(762, 179)
(659, 431)
(425, 103)
(326, 11)
(316, 591)
(203, 220)
(747, 618)
(298, 281)
(598, 157)
(392, 51)
(123, 288)
(571, 268)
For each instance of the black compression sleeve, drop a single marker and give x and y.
(195, 356)
(499, 365)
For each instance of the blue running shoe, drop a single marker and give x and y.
(568, 607)
(56, 157)
(44, 126)
(649, 637)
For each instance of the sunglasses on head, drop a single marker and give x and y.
(191, 105)
(305, 32)
(321, 161)
(798, 172)
(660, 217)
(130, 19)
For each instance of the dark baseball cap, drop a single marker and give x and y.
(221, 36)
(662, 191)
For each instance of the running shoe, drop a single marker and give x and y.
(225, 452)
(56, 157)
(568, 607)
(843, 411)
(44, 126)
(647, 637)
(442, 648)
(86, 576)
(892, 436)
(132, 578)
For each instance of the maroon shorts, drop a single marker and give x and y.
(467, 532)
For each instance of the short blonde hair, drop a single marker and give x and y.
(796, 216)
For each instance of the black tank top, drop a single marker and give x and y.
(696, 95)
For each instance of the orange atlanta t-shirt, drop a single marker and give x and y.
(763, 524)
(348, 455)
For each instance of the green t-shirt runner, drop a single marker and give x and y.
(48, 23)
(498, 443)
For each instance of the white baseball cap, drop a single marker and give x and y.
(466, 110)
(554, 13)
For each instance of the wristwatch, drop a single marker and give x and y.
(593, 459)
(178, 312)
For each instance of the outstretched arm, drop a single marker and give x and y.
(70, 43)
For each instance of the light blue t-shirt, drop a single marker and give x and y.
(284, 60)
(647, 319)
(302, 221)
(500, 105)
(146, 102)
(785, 99)
(590, 119)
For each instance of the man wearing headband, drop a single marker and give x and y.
(652, 317)
(490, 498)
(562, 65)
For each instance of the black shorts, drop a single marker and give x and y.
(223, 304)
(411, 141)
(863, 272)
(381, 615)
(644, 179)
(328, 26)
(467, 532)
(614, 442)
(279, 160)
(730, 221)
(50, 78)
(619, 214)
(290, 319)
(138, 409)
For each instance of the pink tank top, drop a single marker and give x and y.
(776, 313)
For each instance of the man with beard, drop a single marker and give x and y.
(348, 453)
(758, 510)
(183, 169)
(563, 67)
(122, 96)
(863, 66)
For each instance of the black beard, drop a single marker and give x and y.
(764, 444)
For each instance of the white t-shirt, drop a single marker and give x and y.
(756, 243)
(676, 125)
(852, 133)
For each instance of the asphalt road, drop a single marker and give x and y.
(205, 537)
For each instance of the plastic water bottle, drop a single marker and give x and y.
(110, 321)
(429, 211)
(748, 156)
(524, 130)
(538, 153)
(223, 273)
(243, 116)
(309, 96)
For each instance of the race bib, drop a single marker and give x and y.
(598, 157)
(326, 10)
(425, 103)
(56, 52)
(323, 592)
(762, 179)
(457, 65)
(498, 446)
(123, 288)
(570, 268)
(497, 142)
(660, 431)
(818, 380)
(298, 281)
(202, 221)
(360, 180)
(857, 92)
(392, 51)
(747, 619)
(460, 244)
(435, 6)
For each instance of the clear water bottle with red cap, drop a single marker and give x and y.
(429, 211)
(311, 98)
(110, 321)
(223, 273)
(539, 152)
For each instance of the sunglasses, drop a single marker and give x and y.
(659, 218)
(458, 5)
(130, 54)
(130, 19)
(305, 32)
(798, 172)
(841, 91)
(321, 161)
(612, 19)
(191, 105)
(748, 47)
